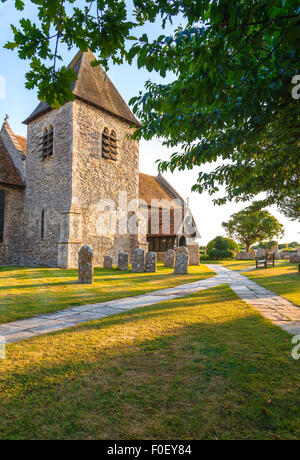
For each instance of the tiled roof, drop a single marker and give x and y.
(8, 173)
(93, 86)
(21, 142)
(152, 188)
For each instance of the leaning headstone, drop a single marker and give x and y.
(85, 265)
(123, 261)
(151, 262)
(170, 258)
(182, 261)
(194, 254)
(260, 252)
(108, 262)
(138, 260)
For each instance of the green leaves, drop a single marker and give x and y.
(230, 98)
(252, 225)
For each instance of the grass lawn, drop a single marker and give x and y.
(283, 279)
(25, 292)
(204, 367)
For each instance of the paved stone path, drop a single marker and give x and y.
(274, 307)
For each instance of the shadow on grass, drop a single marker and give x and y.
(192, 371)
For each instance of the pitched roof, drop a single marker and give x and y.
(94, 87)
(154, 188)
(8, 172)
(22, 141)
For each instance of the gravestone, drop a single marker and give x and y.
(252, 254)
(170, 258)
(151, 259)
(182, 261)
(85, 265)
(276, 253)
(242, 256)
(123, 260)
(108, 262)
(260, 252)
(295, 258)
(194, 254)
(138, 260)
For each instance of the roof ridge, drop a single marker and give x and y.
(12, 135)
(94, 87)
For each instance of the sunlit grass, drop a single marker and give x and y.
(204, 367)
(25, 292)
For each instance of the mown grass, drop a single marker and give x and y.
(25, 292)
(283, 279)
(204, 367)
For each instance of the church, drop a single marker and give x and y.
(51, 182)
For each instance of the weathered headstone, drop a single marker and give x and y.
(242, 256)
(260, 252)
(151, 262)
(298, 250)
(194, 254)
(170, 258)
(138, 260)
(295, 258)
(182, 261)
(85, 265)
(252, 254)
(123, 261)
(276, 253)
(108, 262)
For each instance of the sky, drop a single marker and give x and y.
(18, 103)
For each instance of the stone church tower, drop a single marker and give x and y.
(63, 188)
(77, 156)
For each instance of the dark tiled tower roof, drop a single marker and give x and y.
(94, 87)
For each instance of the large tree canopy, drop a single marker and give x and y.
(234, 66)
(250, 226)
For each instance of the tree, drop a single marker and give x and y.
(232, 245)
(235, 67)
(220, 249)
(251, 226)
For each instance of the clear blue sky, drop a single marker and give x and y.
(19, 103)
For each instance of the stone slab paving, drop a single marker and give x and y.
(279, 310)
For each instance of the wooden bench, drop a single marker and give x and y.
(268, 259)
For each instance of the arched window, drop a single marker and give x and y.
(47, 149)
(43, 225)
(182, 241)
(2, 214)
(109, 145)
